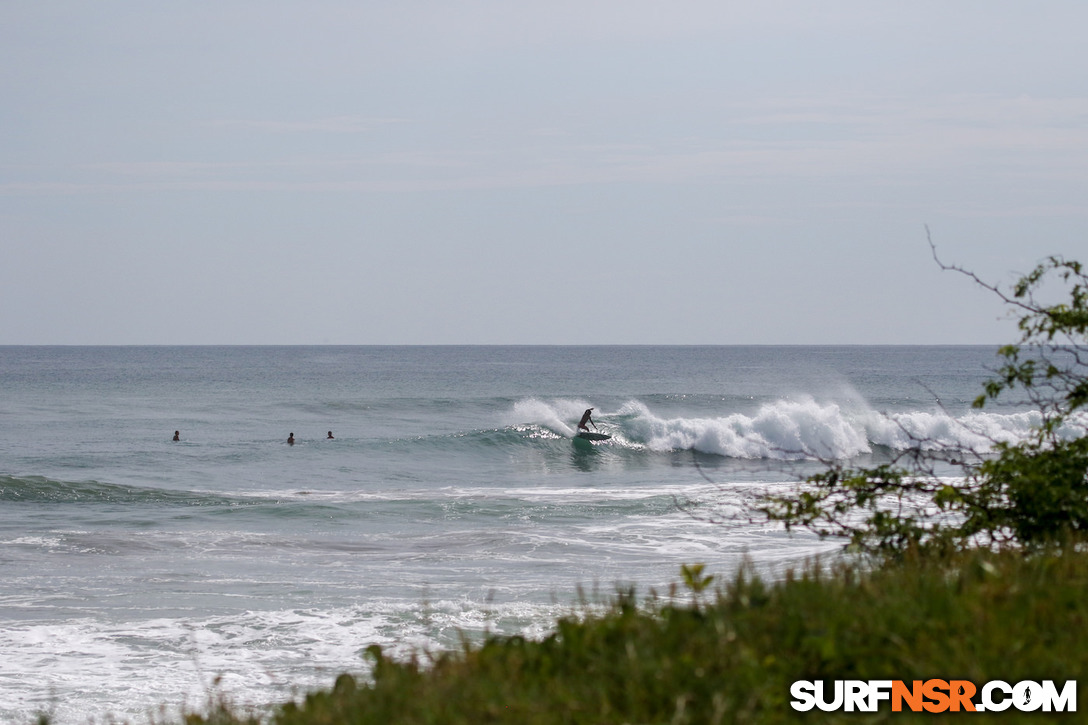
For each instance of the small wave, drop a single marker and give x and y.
(39, 489)
(498, 438)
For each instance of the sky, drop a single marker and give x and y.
(268, 172)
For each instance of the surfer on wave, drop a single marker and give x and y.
(587, 419)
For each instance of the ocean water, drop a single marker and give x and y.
(137, 572)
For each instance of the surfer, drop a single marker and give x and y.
(177, 435)
(291, 439)
(329, 437)
(586, 418)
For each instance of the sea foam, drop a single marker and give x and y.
(789, 429)
(783, 429)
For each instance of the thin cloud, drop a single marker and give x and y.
(886, 139)
(336, 124)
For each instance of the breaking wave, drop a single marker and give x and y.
(787, 429)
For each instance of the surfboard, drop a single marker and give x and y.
(593, 436)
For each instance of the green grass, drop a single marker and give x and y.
(732, 657)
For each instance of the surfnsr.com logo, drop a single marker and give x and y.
(933, 696)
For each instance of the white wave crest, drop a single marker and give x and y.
(556, 415)
(793, 429)
(936, 430)
(784, 429)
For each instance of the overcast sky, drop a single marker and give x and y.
(560, 172)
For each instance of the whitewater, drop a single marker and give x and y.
(143, 575)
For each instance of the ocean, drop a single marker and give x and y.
(139, 573)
